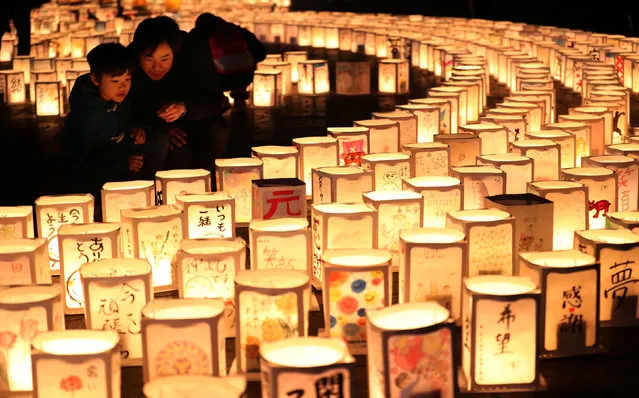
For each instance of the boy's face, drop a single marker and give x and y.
(157, 63)
(114, 88)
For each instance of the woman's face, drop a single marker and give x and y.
(158, 62)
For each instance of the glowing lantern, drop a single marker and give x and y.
(428, 159)
(313, 77)
(61, 67)
(444, 106)
(478, 182)
(491, 239)
(627, 172)
(494, 138)
(383, 135)
(616, 250)
(208, 215)
(315, 152)
(267, 88)
(26, 312)
(24, 262)
(569, 282)
(536, 106)
(286, 85)
(123, 284)
(389, 169)
(407, 123)
(441, 195)
(12, 86)
(171, 183)
(581, 131)
(80, 244)
(343, 184)
(318, 34)
(118, 196)
(607, 115)
(300, 365)
(304, 35)
(183, 336)
(279, 161)
(624, 219)
(48, 99)
(341, 226)
(428, 117)
(6, 54)
(188, 386)
(272, 305)
(16, 222)
(463, 148)
(277, 198)
(293, 57)
(499, 328)
(234, 177)
(595, 142)
(284, 243)
(352, 144)
(546, 156)
(54, 211)
(533, 113)
(518, 169)
(345, 38)
(565, 140)
(629, 149)
(457, 98)
(65, 362)
(602, 192)
(471, 92)
(393, 76)
(154, 234)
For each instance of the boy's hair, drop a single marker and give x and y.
(154, 31)
(109, 59)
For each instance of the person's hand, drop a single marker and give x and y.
(172, 112)
(177, 138)
(135, 163)
(138, 135)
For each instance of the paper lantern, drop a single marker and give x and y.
(313, 77)
(595, 142)
(569, 282)
(444, 106)
(26, 312)
(267, 88)
(624, 219)
(565, 140)
(428, 159)
(24, 262)
(518, 169)
(315, 152)
(389, 170)
(491, 240)
(118, 196)
(602, 192)
(616, 250)
(279, 161)
(341, 226)
(286, 85)
(208, 215)
(383, 135)
(234, 177)
(48, 98)
(293, 57)
(471, 91)
(607, 115)
(581, 131)
(345, 38)
(278, 197)
(441, 195)
(627, 172)
(407, 123)
(352, 143)
(493, 138)
(171, 183)
(318, 35)
(16, 222)
(352, 78)
(272, 305)
(342, 184)
(499, 333)
(183, 336)
(283, 243)
(187, 386)
(463, 148)
(12, 86)
(457, 98)
(154, 234)
(355, 281)
(630, 149)
(306, 365)
(23, 63)
(428, 120)
(6, 54)
(546, 155)
(478, 182)
(304, 35)
(54, 211)
(67, 362)
(393, 76)
(115, 290)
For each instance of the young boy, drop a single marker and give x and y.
(98, 147)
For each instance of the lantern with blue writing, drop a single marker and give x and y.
(16, 222)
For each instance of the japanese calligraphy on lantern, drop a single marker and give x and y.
(431, 163)
(619, 291)
(437, 203)
(15, 272)
(333, 383)
(208, 278)
(277, 198)
(84, 379)
(284, 252)
(50, 221)
(210, 222)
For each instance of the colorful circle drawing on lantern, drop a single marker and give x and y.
(74, 287)
(182, 358)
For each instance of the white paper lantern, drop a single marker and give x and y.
(428, 120)
(494, 138)
(602, 192)
(234, 177)
(208, 215)
(383, 135)
(13, 87)
(118, 196)
(279, 161)
(428, 159)
(441, 195)
(389, 170)
(315, 152)
(16, 222)
(186, 386)
(342, 184)
(313, 77)
(627, 172)
(393, 76)
(407, 123)
(518, 169)
(479, 182)
(293, 57)
(171, 183)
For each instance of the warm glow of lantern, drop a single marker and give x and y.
(170, 183)
(267, 88)
(315, 152)
(602, 192)
(279, 161)
(193, 386)
(118, 196)
(428, 159)
(389, 169)
(16, 222)
(283, 243)
(48, 99)
(494, 138)
(293, 57)
(342, 184)
(441, 195)
(394, 76)
(478, 182)
(208, 215)
(428, 120)
(383, 135)
(627, 174)
(234, 177)
(546, 155)
(12, 84)
(313, 77)
(624, 219)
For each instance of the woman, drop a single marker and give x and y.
(179, 108)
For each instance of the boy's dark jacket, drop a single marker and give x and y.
(96, 140)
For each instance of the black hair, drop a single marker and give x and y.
(109, 59)
(208, 22)
(154, 31)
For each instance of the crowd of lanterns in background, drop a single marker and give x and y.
(516, 224)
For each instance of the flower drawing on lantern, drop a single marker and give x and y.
(71, 384)
(181, 357)
(527, 239)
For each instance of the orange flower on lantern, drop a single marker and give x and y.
(71, 384)
(7, 340)
(272, 330)
(287, 303)
(252, 347)
(337, 278)
(348, 305)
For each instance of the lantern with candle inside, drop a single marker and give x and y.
(518, 169)
(16, 222)
(65, 362)
(491, 239)
(304, 365)
(208, 215)
(580, 131)
(315, 152)
(569, 282)
(355, 282)
(444, 106)
(271, 305)
(341, 184)
(493, 138)
(566, 141)
(441, 195)
(352, 144)
(13, 86)
(48, 98)
(313, 77)
(602, 192)
(283, 243)
(464, 148)
(428, 117)
(189, 386)
(293, 57)
(183, 336)
(428, 159)
(352, 78)
(286, 85)
(26, 311)
(80, 244)
(170, 183)
(499, 328)
(616, 250)
(389, 169)
(546, 155)
(6, 54)
(279, 161)
(627, 171)
(383, 135)
(532, 113)
(624, 219)
(118, 196)
(478, 182)
(54, 211)
(598, 142)
(595, 140)
(278, 197)
(123, 284)
(267, 88)
(154, 234)
(400, 337)
(407, 123)
(234, 177)
(393, 76)
(340, 226)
